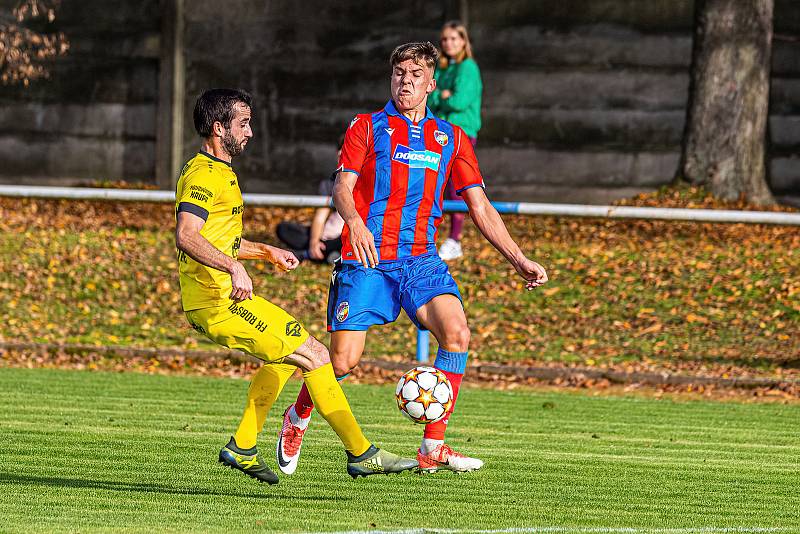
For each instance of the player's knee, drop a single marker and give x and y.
(341, 368)
(457, 338)
(343, 362)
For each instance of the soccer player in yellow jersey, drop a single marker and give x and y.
(217, 295)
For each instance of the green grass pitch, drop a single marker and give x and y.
(84, 452)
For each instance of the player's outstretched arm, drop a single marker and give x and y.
(189, 240)
(280, 258)
(494, 230)
(361, 239)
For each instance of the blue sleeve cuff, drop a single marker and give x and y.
(194, 209)
(458, 191)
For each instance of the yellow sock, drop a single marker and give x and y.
(265, 387)
(331, 403)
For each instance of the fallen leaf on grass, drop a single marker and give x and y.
(694, 318)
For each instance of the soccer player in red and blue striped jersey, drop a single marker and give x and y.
(393, 169)
(401, 169)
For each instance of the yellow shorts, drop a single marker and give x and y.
(255, 326)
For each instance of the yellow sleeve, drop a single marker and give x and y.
(201, 188)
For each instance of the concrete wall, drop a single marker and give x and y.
(95, 118)
(583, 95)
(583, 101)
(311, 67)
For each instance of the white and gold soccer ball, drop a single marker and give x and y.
(424, 394)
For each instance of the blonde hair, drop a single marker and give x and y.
(420, 53)
(462, 32)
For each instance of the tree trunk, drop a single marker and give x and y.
(724, 143)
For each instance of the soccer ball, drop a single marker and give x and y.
(424, 395)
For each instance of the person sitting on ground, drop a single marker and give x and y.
(322, 241)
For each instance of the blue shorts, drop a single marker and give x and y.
(360, 297)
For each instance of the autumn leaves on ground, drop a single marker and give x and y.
(656, 296)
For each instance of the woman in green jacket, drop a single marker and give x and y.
(457, 99)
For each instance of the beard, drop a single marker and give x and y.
(231, 145)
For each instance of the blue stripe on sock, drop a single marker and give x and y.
(452, 362)
(340, 378)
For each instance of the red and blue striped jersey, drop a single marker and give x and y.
(402, 170)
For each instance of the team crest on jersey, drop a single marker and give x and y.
(342, 311)
(293, 329)
(352, 122)
(440, 137)
(417, 159)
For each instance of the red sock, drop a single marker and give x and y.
(436, 430)
(303, 406)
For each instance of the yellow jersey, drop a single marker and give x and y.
(209, 189)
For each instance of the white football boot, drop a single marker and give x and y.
(290, 440)
(443, 457)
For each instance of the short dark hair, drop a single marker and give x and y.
(421, 53)
(216, 105)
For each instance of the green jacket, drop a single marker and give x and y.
(463, 108)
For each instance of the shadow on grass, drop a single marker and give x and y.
(145, 487)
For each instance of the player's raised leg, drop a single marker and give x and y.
(444, 317)
(329, 399)
(357, 299)
(257, 327)
(347, 346)
(241, 452)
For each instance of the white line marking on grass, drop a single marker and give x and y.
(584, 530)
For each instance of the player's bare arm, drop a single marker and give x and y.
(280, 258)
(189, 240)
(316, 248)
(361, 239)
(494, 230)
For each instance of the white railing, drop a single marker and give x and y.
(522, 208)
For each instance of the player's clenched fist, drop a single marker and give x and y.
(282, 259)
(363, 243)
(241, 282)
(533, 273)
